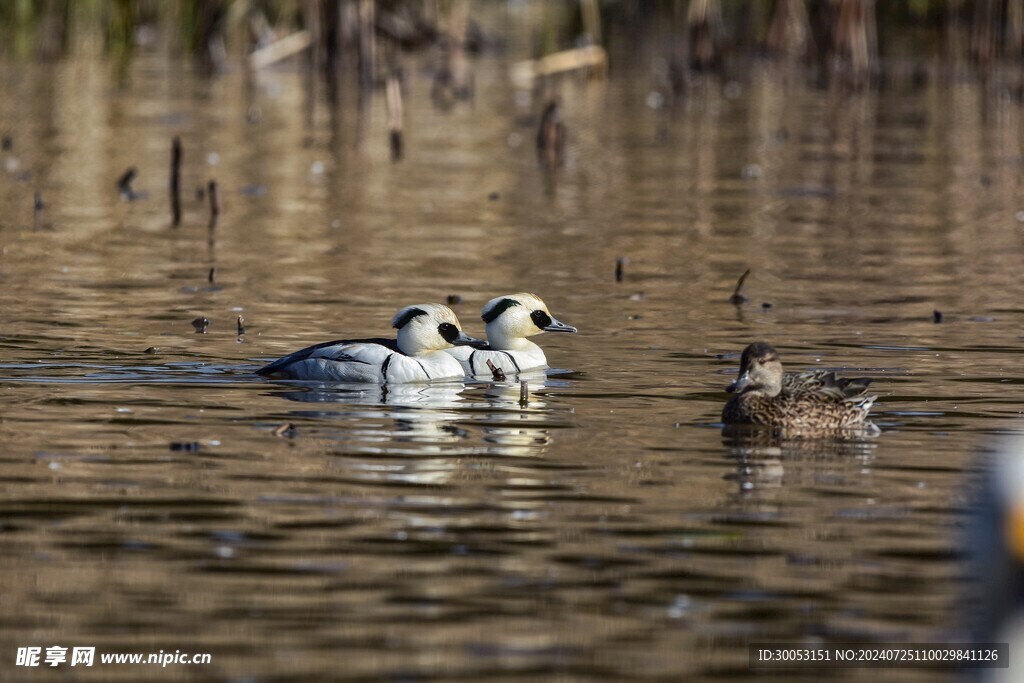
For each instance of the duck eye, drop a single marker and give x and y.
(448, 332)
(540, 318)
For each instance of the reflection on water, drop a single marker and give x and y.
(761, 456)
(606, 528)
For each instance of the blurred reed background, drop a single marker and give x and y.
(848, 42)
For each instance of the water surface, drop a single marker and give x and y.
(151, 498)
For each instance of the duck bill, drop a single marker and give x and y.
(559, 326)
(740, 384)
(465, 340)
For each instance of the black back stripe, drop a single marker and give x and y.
(472, 370)
(511, 358)
(497, 309)
(407, 315)
(423, 367)
(384, 367)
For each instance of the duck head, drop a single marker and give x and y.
(513, 317)
(429, 327)
(760, 371)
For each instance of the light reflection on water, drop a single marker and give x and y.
(606, 529)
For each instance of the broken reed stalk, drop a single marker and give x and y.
(983, 33)
(497, 372)
(280, 49)
(37, 210)
(175, 188)
(287, 429)
(590, 57)
(1014, 27)
(393, 95)
(453, 80)
(211, 277)
(789, 30)
(737, 298)
(591, 20)
(856, 40)
(620, 264)
(211, 189)
(524, 393)
(551, 136)
(366, 43)
(241, 326)
(705, 29)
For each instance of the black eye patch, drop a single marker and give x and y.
(448, 332)
(540, 319)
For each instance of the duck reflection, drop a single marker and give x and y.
(430, 433)
(386, 417)
(517, 422)
(762, 454)
(440, 394)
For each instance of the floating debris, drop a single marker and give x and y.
(494, 196)
(367, 42)
(211, 277)
(241, 326)
(124, 186)
(454, 299)
(497, 372)
(737, 297)
(524, 393)
(152, 349)
(766, 305)
(7, 143)
(936, 316)
(187, 446)
(201, 324)
(175, 185)
(257, 190)
(620, 264)
(287, 429)
(393, 95)
(211, 189)
(37, 210)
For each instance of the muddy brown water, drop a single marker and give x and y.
(608, 530)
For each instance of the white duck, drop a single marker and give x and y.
(417, 355)
(510, 320)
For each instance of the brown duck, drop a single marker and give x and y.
(765, 395)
